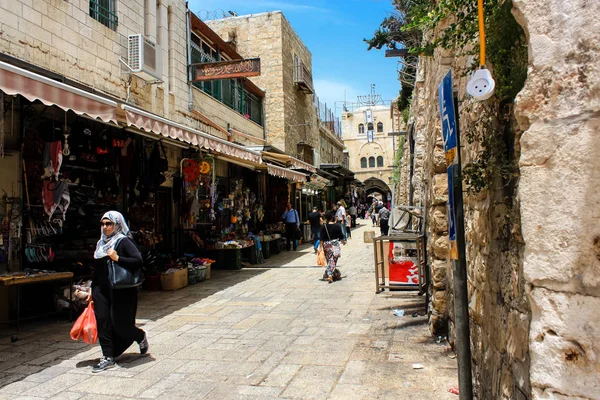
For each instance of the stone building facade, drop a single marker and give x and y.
(290, 113)
(64, 37)
(370, 161)
(532, 244)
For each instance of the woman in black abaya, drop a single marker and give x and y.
(115, 309)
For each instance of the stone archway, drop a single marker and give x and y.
(376, 185)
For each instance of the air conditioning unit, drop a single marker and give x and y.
(144, 57)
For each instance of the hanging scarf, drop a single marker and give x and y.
(109, 242)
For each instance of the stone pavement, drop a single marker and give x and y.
(258, 333)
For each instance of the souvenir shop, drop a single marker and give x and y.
(225, 216)
(72, 170)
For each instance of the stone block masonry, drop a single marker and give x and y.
(62, 37)
(290, 114)
(559, 112)
(532, 246)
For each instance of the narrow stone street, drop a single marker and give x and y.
(272, 332)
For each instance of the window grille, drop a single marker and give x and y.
(104, 12)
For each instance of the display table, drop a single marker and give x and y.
(20, 280)
(250, 253)
(275, 246)
(225, 258)
(266, 248)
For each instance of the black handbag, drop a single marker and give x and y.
(120, 277)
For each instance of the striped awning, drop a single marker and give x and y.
(286, 173)
(161, 126)
(292, 162)
(32, 86)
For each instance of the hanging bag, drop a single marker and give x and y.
(85, 327)
(120, 277)
(321, 261)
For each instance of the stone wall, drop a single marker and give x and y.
(559, 112)
(289, 113)
(261, 35)
(62, 37)
(498, 306)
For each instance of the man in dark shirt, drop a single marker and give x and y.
(315, 226)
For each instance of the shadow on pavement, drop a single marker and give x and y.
(45, 343)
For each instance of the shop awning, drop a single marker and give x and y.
(339, 171)
(32, 86)
(153, 123)
(286, 173)
(290, 161)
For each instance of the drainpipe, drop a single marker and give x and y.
(162, 36)
(188, 38)
(262, 112)
(150, 19)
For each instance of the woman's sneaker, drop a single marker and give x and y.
(104, 364)
(144, 346)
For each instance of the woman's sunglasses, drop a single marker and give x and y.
(106, 224)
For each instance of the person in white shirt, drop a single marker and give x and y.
(340, 217)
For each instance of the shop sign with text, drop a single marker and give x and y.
(226, 69)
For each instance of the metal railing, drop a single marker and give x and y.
(228, 91)
(103, 12)
(327, 118)
(302, 76)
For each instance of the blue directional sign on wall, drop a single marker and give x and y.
(448, 120)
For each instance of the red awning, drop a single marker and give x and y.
(153, 123)
(32, 86)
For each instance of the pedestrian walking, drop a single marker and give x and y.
(384, 218)
(340, 217)
(292, 226)
(314, 218)
(331, 238)
(378, 207)
(115, 309)
(353, 215)
(349, 227)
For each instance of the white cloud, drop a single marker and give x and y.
(332, 92)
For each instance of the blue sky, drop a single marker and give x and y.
(333, 30)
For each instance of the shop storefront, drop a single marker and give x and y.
(68, 156)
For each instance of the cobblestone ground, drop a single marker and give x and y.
(273, 332)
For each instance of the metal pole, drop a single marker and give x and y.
(461, 295)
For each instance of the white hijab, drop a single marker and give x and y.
(109, 242)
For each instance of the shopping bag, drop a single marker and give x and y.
(85, 327)
(321, 261)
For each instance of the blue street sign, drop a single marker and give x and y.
(448, 120)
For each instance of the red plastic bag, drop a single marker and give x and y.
(85, 327)
(321, 261)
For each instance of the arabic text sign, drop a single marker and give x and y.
(227, 69)
(448, 120)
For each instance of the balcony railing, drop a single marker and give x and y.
(327, 118)
(303, 77)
